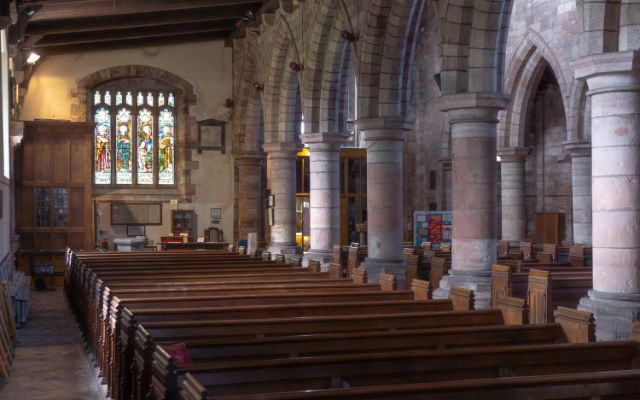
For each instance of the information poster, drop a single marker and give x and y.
(431, 226)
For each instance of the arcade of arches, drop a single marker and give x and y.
(342, 119)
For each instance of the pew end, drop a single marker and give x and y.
(359, 276)
(335, 271)
(314, 266)
(578, 326)
(388, 282)
(635, 333)
(421, 289)
(514, 311)
(191, 389)
(462, 299)
(500, 282)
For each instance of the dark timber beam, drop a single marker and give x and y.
(132, 43)
(52, 10)
(90, 24)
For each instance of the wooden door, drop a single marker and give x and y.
(53, 181)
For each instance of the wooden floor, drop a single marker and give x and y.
(50, 361)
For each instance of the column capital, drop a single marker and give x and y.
(383, 123)
(248, 158)
(324, 140)
(578, 148)
(513, 154)
(607, 72)
(473, 107)
(281, 150)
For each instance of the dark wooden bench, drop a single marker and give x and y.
(549, 289)
(507, 280)
(572, 386)
(358, 370)
(166, 374)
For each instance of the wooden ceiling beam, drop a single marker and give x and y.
(101, 8)
(132, 43)
(136, 20)
(135, 33)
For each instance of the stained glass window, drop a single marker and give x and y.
(102, 146)
(124, 170)
(145, 147)
(166, 146)
(134, 138)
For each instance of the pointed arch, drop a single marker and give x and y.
(522, 78)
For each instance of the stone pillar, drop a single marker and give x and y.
(514, 216)
(384, 138)
(249, 196)
(282, 161)
(473, 120)
(324, 157)
(581, 189)
(614, 88)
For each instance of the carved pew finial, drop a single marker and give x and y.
(578, 326)
(359, 276)
(388, 282)
(462, 299)
(421, 289)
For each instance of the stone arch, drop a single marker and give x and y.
(248, 120)
(473, 35)
(579, 113)
(385, 57)
(277, 79)
(523, 74)
(323, 63)
(185, 96)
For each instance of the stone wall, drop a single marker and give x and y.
(204, 69)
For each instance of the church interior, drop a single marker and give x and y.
(319, 199)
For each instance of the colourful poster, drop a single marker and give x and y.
(431, 226)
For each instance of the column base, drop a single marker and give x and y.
(286, 248)
(614, 313)
(324, 256)
(478, 281)
(374, 267)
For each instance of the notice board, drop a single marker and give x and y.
(431, 226)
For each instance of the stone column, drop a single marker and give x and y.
(384, 138)
(514, 216)
(282, 161)
(249, 196)
(614, 88)
(473, 120)
(324, 157)
(581, 189)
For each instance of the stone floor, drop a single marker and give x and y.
(50, 362)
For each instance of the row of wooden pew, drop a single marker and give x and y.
(215, 325)
(7, 331)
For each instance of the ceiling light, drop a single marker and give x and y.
(33, 58)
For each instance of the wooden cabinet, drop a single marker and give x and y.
(182, 221)
(53, 186)
(550, 227)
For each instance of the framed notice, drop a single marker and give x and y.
(125, 213)
(432, 226)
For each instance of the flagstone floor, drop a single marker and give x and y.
(50, 361)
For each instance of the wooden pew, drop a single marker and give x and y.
(507, 280)
(439, 267)
(549, 289)
(572, 386)
(166, 373)
(358, 370)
